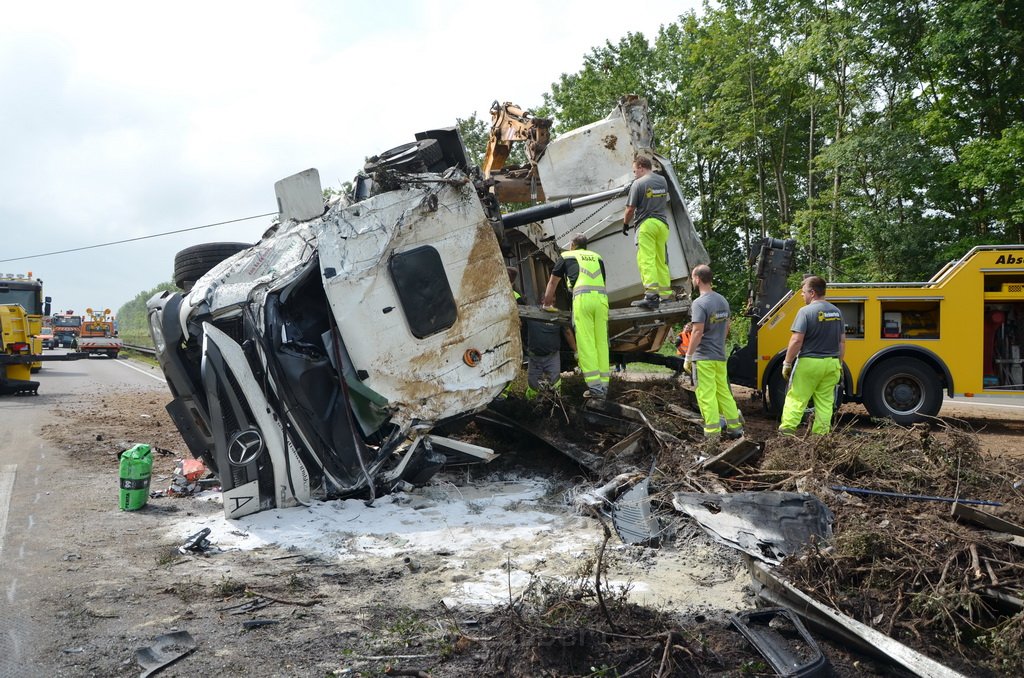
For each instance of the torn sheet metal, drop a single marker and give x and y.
(767, 525)
(165, 650)
(777, 591)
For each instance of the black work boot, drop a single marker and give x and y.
(650, 301)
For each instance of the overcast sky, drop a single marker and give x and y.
(126, 119)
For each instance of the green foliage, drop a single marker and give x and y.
(886, 137)
(132, 322)
(474, 132)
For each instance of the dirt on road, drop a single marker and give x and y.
(476, 598)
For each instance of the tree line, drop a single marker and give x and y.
(885, 136)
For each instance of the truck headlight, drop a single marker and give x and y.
(156, 330)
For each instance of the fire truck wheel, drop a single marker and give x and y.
(192, 263)
(903, 389)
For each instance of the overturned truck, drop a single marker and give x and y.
(321, 361)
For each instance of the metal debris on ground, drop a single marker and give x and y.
(783, 641)
(197, 543)
(165, 650)
(186, 479)
(766, 525)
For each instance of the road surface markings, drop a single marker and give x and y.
(6, 489)
(125, 363)
(982, 403)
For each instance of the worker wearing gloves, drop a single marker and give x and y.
(710, 316)
(584, 274)
(814, 360)
(646, 206)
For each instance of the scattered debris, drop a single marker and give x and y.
(632, 517)
(164, 651)
(767, 525)
(186, 479)
(197, 543)
(778, 591)
(731, 458)
(916, 497)
(783, 641)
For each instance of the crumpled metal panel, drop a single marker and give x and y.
(275, 259)
(424, 379)
(767, 525)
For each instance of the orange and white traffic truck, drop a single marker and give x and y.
(99, 334)
(960, 333)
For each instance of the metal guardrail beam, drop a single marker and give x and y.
(145, 350)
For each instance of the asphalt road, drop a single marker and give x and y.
(37, 508)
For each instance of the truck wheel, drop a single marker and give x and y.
(904, 389)
(775, 394)
(192, 263)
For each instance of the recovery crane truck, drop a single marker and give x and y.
(960, 332)
(98, 335)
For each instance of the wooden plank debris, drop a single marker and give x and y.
(727, 461)
(972, 515)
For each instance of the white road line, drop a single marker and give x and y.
(125, 363)
(982, 403)
(6, 490)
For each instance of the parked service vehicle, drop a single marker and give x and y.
(46, 337)
(17, 359)
(321, 361)
(98, 335)
(27, 292)
(961, 332)
(66, 328)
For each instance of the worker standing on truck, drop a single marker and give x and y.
(710, 320)
(814, 360)
(646, 206)
(584, 274)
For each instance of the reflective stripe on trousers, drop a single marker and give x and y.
(715, 397)
(590, 321)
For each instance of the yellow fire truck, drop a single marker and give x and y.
(962, 333)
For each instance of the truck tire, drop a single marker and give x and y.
(905, 390)
(775, 394)
(192, 263)
(419, 156)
